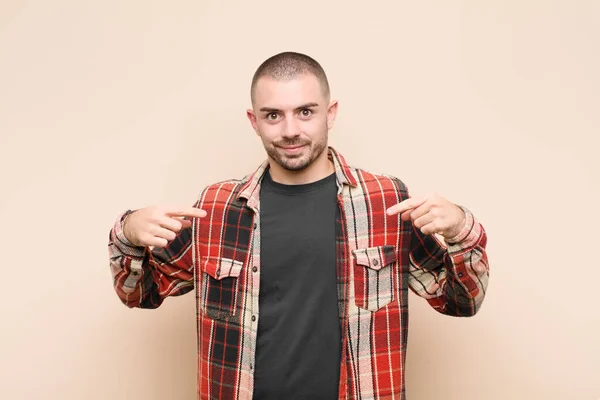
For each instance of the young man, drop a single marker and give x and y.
(301, 270)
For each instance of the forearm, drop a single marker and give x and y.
(144, 276)
(130, 268)
(470, 268)
(457, 285)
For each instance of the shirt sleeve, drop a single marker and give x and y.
(451, 275)
(144, 277)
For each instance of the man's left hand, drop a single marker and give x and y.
(433, 214)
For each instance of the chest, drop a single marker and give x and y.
(369, 249)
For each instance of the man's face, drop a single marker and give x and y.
(292, 118)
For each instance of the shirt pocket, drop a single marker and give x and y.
(219, 290)
(374, 276)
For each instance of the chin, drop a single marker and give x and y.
(294, 165)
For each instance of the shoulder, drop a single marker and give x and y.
(368, 179)
(223, 190)
(229, 184)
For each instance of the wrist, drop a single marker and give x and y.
(462, 229)
(457, 227)
(126, 229)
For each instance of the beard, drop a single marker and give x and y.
(303, 159)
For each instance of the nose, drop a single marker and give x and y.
(291, 128)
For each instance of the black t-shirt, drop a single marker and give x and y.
(299, 340)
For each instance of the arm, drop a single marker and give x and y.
(451, 276)
(144, 277)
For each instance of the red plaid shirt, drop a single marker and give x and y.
(379, 258)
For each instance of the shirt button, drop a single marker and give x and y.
(375, 262)
(254, 269)
(135, 273)
(217, 273)
(255, 225)
(460, 275)
(254, 318)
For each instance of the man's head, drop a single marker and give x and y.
(288, 65)
(291, 109)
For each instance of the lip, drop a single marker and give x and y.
(291, 149)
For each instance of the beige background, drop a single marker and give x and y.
(107, 105)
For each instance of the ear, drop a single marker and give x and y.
(332, 110)
(252, 118)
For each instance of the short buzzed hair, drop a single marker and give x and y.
(288, 65)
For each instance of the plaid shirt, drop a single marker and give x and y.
(379, 258)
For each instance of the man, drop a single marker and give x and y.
(301, 269)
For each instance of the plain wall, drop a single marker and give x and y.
(109, 105)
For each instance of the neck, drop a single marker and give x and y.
(319, 169)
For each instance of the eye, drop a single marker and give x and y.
(306, 112)
(272, 116)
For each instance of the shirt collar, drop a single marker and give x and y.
(251, 184)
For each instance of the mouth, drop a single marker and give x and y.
(292, 149)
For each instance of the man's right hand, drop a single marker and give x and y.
(158, 225)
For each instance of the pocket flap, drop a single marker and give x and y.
(220, 268)
(375, 257)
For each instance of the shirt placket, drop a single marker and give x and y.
(251, 318)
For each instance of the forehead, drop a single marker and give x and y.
(288, 93)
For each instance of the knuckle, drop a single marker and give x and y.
(177, 226)
(154, 215)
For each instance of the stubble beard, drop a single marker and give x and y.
(297, 162)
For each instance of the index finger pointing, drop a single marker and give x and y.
(405, 205)
(191, 212)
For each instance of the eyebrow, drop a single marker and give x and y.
(307, 105)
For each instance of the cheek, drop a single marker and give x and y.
(315, 128)
(268, 131)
